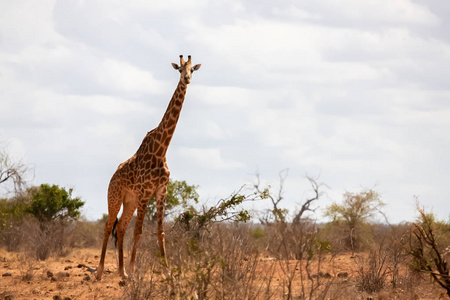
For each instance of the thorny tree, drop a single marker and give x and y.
(428, 251)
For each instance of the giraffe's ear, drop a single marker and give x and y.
(175, 66)
(196, 67)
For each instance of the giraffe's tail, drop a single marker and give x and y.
(114, 232)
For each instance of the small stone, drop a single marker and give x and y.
(6, 274)
(53, 279)
(49, 274)
(67, 268)
(87, 278)
(342, 275)
(122, 283)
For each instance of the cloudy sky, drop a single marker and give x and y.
(356, 92)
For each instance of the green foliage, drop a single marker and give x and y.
(317, 247)
(257, 233)
(8, 210)
(322, 246)
(353, 213)
(54, 203)
(179, 193)
(103, 219)
(225, 210)
(13, 210)
(356, 208)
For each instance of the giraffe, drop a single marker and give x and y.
(143, 176)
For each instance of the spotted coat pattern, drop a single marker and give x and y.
(143, 176)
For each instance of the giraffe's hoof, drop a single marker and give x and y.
(98, 275)
(124, 276)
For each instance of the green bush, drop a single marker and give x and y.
(53, 202)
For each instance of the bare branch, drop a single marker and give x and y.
(12, 173)
(264, 193)
(306, 206)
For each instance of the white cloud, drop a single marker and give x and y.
(25, 22)
(232, 98)
(210, 129)
(122, 76)
(357, 90)
(209, 158)
(398, 11)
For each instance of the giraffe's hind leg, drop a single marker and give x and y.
(129, 206)
(142, 208)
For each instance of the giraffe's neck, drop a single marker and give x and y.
(166, 127)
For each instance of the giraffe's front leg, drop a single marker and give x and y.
(160, 205)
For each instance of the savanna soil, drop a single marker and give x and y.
(66, 277)
(71, 277)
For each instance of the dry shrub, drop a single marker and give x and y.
(27, 266)
(54, 238)
(221, 263)
(300, 254)
(145, 285)
(428, 247)
(39, 240)
(344, 239)
(372, 272)
(86, 234)
(13, 236)
(224, 262)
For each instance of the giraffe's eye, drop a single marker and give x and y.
(179, 70)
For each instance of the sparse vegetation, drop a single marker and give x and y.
(37, 221)
(372, 272)
(217, 252)
(354, 212)
(429, 247)
(179, 195)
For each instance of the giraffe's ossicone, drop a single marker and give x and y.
(143, 176)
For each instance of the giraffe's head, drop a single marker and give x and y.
(186, 69)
